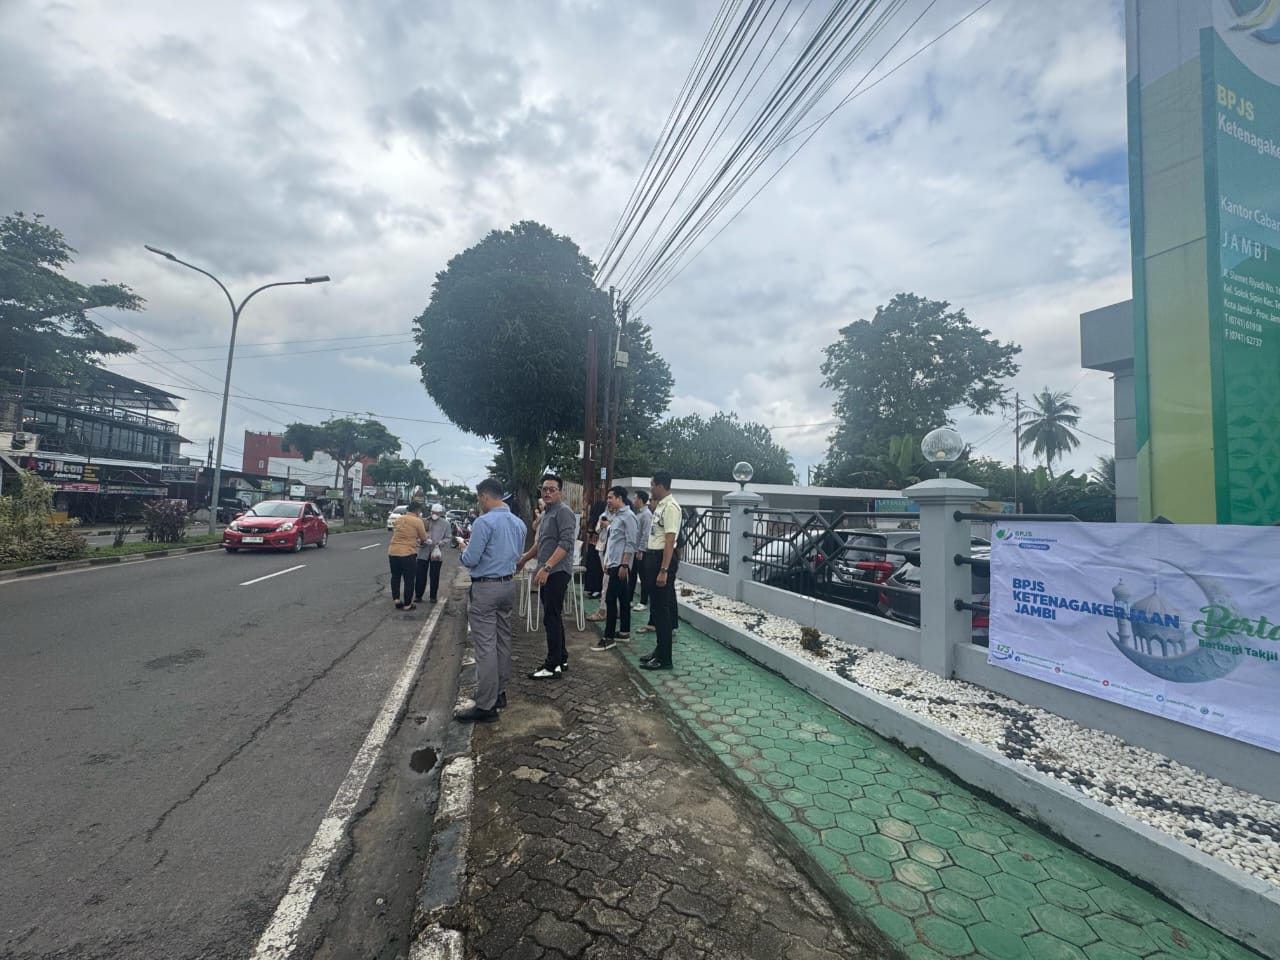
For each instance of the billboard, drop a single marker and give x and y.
(1178, 621)
(1204, 162)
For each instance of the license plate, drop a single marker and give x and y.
(251, 539)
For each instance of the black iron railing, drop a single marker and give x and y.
(704, 533)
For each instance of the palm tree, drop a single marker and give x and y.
(1046, 426)
(1104, 474)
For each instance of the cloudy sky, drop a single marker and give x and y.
(373, 139)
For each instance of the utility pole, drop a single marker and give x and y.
(589, 426)
(617, 371)
(606, 461)
(1017, 448)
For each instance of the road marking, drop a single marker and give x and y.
(278, 573)
(372, 545)
(281, 936)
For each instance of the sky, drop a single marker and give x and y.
(372, 140)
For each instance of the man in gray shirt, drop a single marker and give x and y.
(557, 533)
(644, 516)
(430, 555)
(619, 550)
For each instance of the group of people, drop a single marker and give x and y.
(640, 533)
(415, 554)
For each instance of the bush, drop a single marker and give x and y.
(811, 640)
(166, 521)
(28, 532)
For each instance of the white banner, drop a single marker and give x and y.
(1179, 621)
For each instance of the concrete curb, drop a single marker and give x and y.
(1236, 903)
(446, 870)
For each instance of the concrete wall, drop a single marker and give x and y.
(1106, 343)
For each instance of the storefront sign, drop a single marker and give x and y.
(73, 487)
(68, 470)
(176, 474)
(1178, 621)
(135, 490)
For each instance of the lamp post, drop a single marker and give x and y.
(943, 447)
(231, 352)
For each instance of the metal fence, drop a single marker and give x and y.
(704, 533)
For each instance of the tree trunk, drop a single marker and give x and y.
(528, 461)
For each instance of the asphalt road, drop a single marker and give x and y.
(172, 733)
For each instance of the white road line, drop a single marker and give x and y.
(372, 545)
(32, 577)
(278, 573)
(281, 936)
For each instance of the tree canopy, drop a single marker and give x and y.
(45, 327)
(347, 441)
(902, 372)
(409, 474)
(502, 343)
(1046, 426)
(694, 448)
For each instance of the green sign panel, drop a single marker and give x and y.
(1204, 138)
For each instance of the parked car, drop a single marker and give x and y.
(395, 515)
(841, 566)
(228, 510)
(277, 525)
(905, 607)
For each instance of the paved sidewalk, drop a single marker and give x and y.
(941, 871)
(599, 832)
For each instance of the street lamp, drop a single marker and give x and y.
(231, 352)
(743, 472)
(943, 447)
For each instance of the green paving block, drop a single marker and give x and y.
(811, 784)
(797, 798)
(860, 777)
(918, 951)
(965, 882)
(878, 791)
(758, 790)
(870, 808)
(983, 864)
(776, 754)
(955, 907)
(870, 867)
(938, 835)
(807, 836)
(842, 841)
(1123, 934)
(886, 848)
(763, 743)
(1184, 944)
(1108, 951)
(1044, 946)
(1121, 904)
(1008, 914)
(1063, 924)
(1021, 865)
(828, 859)
(831, 803)
(749, 730)
(907, 901)
(913, 815)
(1015, 889)
(781, 810)
(792, 769)
(958, 802)
(892, 924)
(856, 823)
(779, 781)
(825, 773)
(817, 817)
(893, 781)
(996, 943)
(837, 762)
(846, 789)
(1032, 844)
(746, 751)
(949, 819)
(1073, 872)
(898, 829)
(982, 840)
(1066, 896)
(948, 938)
(928, 854)
(916, 874)
(857, 889)
(918, 799)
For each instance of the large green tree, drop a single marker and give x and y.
(1046, 426)
(45, 327)
(902, 372)
(409, 474)
(694, 448)
(502, 343)
(347, 441)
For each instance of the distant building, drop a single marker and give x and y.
(264, 455)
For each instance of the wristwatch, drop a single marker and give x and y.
(662, 569)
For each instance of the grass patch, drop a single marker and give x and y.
(148, 546)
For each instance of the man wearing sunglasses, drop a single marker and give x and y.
(553, 547)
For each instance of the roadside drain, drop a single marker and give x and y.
(420, 761)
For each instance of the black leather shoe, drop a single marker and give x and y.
(476, 715)
(502, 702)
(651, 655)
(655, 665)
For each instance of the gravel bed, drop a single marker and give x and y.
(1239, 828)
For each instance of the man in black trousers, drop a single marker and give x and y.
(660, 567)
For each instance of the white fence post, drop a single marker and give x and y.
(742, 507)
(941, 580)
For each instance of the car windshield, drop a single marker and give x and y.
(275, 510)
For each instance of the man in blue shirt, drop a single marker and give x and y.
(497, 540)
(622, 541)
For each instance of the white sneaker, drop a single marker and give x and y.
(638, 606)
(542, 673)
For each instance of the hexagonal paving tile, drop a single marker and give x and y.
(870, 866)
(842, 841)
(916, 874)
(913, 815)
(949, 818)
(1122, 934)
(817, 817)
(938, 835)
(1019, 865)
(980, 863)
(824, 772)
(928, 854)
(964, 881)
(907, 901)
(955, 906)
(831, 803)
(1015, 889)
(870, 808)
(857, 889)
(1063, 924)
(946, 937)
(778, 780)
(843, 788)
(918, 799)
(811, 784)
(791, 768)
(1008, 914)
(981, 840)
(856, 823)
(993, 940)
(878, 791)
(892, 924)
(781, 810)
(1045, 946)
(1123, 905)
(764, 743)
(886, 848)
(898, 829)
(1073, 872)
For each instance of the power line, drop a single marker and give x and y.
(272, 343)
(310, 406)
(266, 356)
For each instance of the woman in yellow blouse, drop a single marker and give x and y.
(402, 553)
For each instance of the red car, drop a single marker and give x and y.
(277, 525)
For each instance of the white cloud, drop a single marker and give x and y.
(374, 140)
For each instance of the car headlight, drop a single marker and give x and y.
(234, 526)
(286, 526)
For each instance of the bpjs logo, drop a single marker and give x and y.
(1260, 18)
